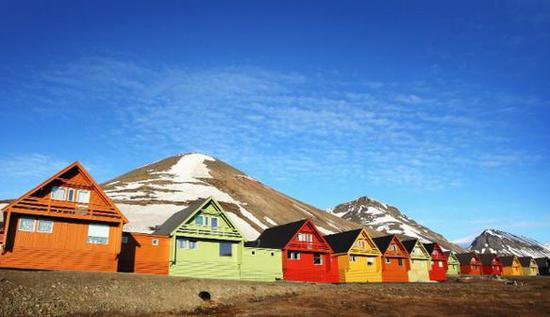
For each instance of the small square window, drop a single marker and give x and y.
(226, 249)
(83, 196)
(388, 260)
(253, 253)
(370, 262)
(155, 242)
(26, 224)
(317, 259)
(353, 258)
(272, 253)
(293, 255)
(400, 262)
(44, 226)
(199, 220)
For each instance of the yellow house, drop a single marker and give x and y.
(359, 260)
(530, 267)
(511, 265)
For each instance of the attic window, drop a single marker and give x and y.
(393, 247)
(199, 220)
(214, 222)
(360, 243)
(353, 258)
(83, 196)
(305, 237)
(58, 193)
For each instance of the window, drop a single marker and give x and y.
(26, 224)
(360, 243)
(83, 196)
(317, 259)
(124, 240)
(44, 226)
(58, 193)
(305, 237)
(70, 194)
(400, 262)
(253, 253)
(353, 258)
(272, 253)
(388, 260)
(182, 243)
(155, 242)
(440, 263)
(370, 262)
(393, 247)
(226, 248)
(293, 255)
(199, 220)
(214, 223)
(98, 234)
(193, 244)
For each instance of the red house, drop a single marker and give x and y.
(490, 264)
(395, 259)
(439, 262)
(306, 253)
(469, 263)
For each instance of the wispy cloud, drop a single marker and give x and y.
(284, 124)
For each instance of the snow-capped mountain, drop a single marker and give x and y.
(500, 242)
(150, 194)
(389, 220)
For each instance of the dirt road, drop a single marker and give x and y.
(36, 293)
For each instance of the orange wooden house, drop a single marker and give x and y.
(395, 259)
(144, 253)
(65, 223)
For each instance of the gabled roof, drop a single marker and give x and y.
(430, 247)
(384, 242)
(84, 172)
(450, 254)
(507, 260)
(180, 217)
(278, 237)
(525, 261)
(342, 242)
(409, 244)
(487, 258)
(465, 258)
(543, 262)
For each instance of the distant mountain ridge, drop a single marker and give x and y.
(381, 217)
(501, 242)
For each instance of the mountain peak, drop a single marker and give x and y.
(501, 242)
(388, 220)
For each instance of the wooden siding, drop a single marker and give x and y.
(453, 265)
(420, 264)
(66, 247)
(140, 255)
(513, 270)
(261, 264)
(359, 270)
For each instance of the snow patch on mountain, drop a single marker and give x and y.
(501, 242)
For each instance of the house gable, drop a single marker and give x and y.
(353, 242)
(390, 246)
(70, 193)
(364, 244)
(205, 218)
(301, 241)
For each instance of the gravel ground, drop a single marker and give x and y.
(43, 293)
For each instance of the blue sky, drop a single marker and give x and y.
(439, 109)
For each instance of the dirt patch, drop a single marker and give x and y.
(41, 293)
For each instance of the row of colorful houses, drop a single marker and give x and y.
(68, 223)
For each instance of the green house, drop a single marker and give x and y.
(453, 265)
(205, 243)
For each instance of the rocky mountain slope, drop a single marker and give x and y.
(496, 241)
(388, 219)
(150, 194)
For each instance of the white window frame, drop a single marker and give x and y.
(320, 259)
(440, 263)
(205, 223)
(155, 242)
(43, 220)
(19, 228)
(98, 226)
(81, 192)
(370, 261)
(294, 255)
(387, 260)
(193, 244)
(55, 189)
(393, 247)
(230, 249)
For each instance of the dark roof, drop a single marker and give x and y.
(429, 247)
(277, 237)
(178, 218)
(342, 242)
(507, 260)
(486, 258)
(383, 242)
(525, 261)
(543, 262)
(465, 258)
(409, 244)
